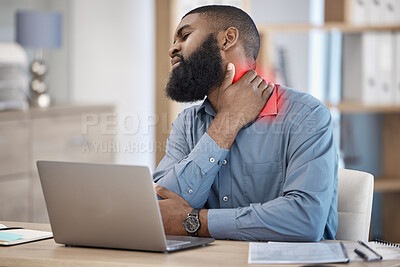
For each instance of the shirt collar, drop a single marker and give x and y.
(205, 107)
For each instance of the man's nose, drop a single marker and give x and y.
(175, 48)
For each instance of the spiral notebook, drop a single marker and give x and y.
(388, 251)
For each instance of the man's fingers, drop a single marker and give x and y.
(229, 75)
(257, 81)
(262, 86)
(249, 76)
(164, 192)
(267, 92)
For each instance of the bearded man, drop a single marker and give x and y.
(254, 161)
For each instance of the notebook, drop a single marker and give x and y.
(388, 251)
(19, 236)
(296, 253)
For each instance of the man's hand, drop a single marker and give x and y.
(237, 105)
(246, 98)
(174, 210)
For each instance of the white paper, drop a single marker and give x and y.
(28, 235)
(287, 253)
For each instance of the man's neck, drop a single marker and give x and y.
(213, 96)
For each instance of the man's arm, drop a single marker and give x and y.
(191, 173)
(309, 189)
(299, 215)
(237, 105)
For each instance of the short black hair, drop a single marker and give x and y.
(222, 17)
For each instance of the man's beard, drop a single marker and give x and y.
(198, 75)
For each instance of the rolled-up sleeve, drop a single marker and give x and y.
(309, 191)
(189, 172)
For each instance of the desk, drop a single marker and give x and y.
(49, 253)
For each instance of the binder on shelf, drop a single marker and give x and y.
(385, 66)
(359, 12)
(389, 10)
(359, 69)
(375, 12)
(396, 11)
(396, 69)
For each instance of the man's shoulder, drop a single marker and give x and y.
(189, 114)
(289, 97)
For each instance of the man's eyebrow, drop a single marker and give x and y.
(181, 29)
(179, 32)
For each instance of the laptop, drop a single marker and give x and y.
(106, 205)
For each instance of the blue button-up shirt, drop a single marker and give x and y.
(278, 181)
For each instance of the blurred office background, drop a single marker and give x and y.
(106, 84)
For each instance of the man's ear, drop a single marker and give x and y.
(230, 37)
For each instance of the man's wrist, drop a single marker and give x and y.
(203, 230)
(224, 128)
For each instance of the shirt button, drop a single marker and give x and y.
(225, 198)
(190, 191)
(212, 160)
(224, 162)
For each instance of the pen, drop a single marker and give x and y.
(370, 249)
(361, 254)
(10, 228)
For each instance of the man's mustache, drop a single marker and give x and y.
(180, 57)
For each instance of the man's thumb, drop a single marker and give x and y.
(229, 75)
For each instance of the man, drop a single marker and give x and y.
(255, 161)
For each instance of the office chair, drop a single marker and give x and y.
(355, 192)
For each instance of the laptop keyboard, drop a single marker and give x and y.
(174, 243)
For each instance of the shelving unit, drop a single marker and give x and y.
(342, 27)
(356, 107)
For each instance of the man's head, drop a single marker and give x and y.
(205, 41)
(221, 18)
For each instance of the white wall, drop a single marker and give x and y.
(112, 61)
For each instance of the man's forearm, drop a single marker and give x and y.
(224, 128)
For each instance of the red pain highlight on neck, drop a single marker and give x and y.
(241, 69)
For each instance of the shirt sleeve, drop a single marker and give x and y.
(189, 172)
(309, 191)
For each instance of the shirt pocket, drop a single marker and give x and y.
(262, 181)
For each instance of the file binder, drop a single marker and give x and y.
(385, 64)
(389, 12)
(359, 12)
(396, 69)
(359, 70)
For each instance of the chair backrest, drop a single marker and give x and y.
(355, 192)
